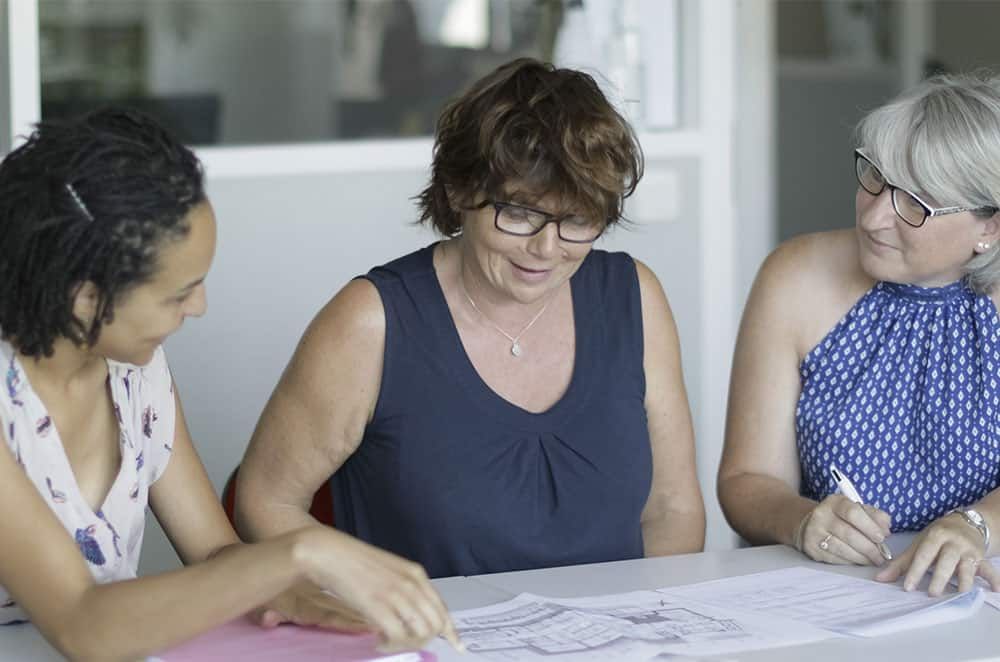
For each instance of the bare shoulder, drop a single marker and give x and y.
(661, 342)
(654, 299)
(808, 283)
(354, 310)
(326, 394)
(810, 262)
(647, 279)
(339, 357)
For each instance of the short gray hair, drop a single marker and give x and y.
(942, 138)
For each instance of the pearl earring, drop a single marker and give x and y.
(983, 246)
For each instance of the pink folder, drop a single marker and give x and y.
(245, 641)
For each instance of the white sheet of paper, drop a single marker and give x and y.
(830, 600)
(898, 542)
(992, 598)
(629, 626)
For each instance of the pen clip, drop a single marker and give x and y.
(837, 476)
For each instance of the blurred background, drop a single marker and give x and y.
(265, 71)
(314, 120)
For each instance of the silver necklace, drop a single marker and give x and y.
(515, 346)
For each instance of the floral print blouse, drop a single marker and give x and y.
(110, 538)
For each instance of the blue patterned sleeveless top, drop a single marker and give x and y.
(902, 395)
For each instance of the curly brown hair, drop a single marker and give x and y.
(549, 131)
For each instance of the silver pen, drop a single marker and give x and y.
(847, 489)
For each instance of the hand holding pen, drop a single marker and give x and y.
(848, 490)
(842, 529)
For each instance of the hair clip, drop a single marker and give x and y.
(79, 202)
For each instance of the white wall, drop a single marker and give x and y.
(23, 81)
(754, 136)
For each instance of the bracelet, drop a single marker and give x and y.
(976, 520)
(800, 529)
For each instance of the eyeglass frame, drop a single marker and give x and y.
(498, 206)
(929, 211)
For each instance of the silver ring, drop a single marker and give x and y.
(824, 544)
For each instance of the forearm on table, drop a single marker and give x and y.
(762, 509)
(674, 531)
(680, 536)
(169, 608)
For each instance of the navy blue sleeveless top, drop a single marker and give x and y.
(903, 396)
(453, 476)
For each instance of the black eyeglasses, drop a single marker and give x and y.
(524, 221)
(908, 205)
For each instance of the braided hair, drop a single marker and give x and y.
(89, 199)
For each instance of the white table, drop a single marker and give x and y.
(977, 638)
(23, 642)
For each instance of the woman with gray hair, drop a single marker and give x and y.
(868, 359)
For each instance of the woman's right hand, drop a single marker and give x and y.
(840, 531)
(392, 593)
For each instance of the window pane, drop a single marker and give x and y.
(265, 71)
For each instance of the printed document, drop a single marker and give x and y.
(630, 626)
(899, 542)
(763, 610)
(829, 600)
(992, 597)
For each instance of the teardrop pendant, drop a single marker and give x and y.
(515, 349)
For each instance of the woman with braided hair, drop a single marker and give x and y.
(106, 238)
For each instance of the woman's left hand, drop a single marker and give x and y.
(306, 604)
(953, 548)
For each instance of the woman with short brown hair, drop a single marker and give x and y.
(509, 397)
